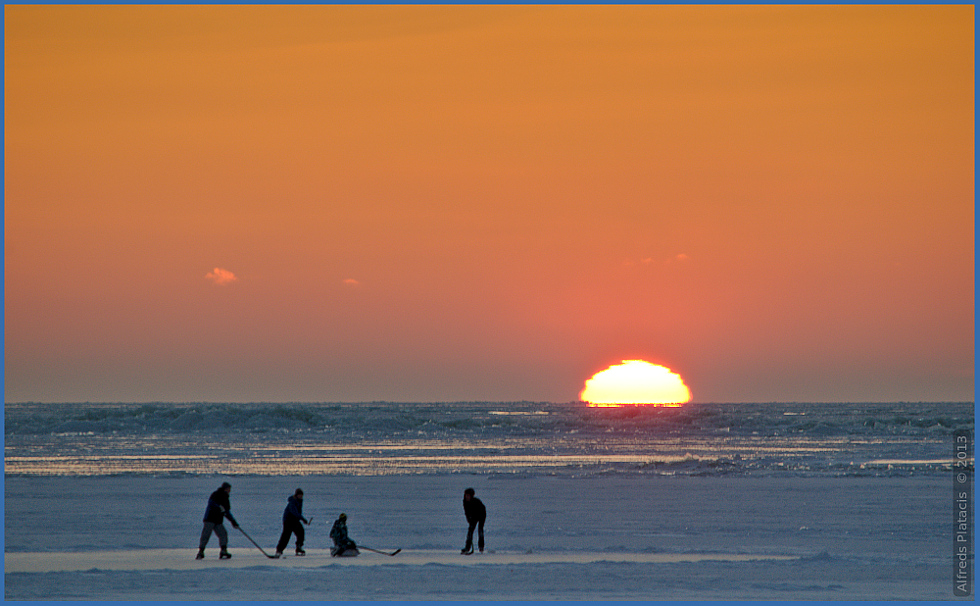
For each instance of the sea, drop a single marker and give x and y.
(765, 501)
(488, 438)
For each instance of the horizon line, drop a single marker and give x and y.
(359, 402)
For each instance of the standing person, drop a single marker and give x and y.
(219, 508)
(476, 515)
(291, 519)
(342, 544)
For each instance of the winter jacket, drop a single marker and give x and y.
(293, 512)
(219, 507)
(474, 510)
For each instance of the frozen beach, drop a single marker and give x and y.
(705, 502)
(653, 538)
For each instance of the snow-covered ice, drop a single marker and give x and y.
(705, 501)
(612, 537)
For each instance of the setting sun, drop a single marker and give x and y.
(635, 382)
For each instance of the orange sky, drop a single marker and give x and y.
(449, 203)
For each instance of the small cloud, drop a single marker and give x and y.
(352, 282)
(680, 258)
(221, 276)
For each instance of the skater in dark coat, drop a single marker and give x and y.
(476, 515)
(292, 523)
(342, 544)
(219, 508)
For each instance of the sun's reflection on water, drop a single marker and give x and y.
(654, 405)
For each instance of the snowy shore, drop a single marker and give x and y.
(606, 537)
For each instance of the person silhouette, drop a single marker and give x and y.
(292, 523)
(476, 516)
(219, 508)
(343, 546)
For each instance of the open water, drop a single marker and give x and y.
(531, 438)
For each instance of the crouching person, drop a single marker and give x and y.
(343, 546)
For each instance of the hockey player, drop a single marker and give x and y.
(219, 508)
(476, 515)
(343, 545)
(292, 523)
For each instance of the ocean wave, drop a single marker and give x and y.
(518, 419)
(523, 438)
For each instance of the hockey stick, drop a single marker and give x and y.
(359, 546)
(256, 544)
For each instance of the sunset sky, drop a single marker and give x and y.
(446, 203)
